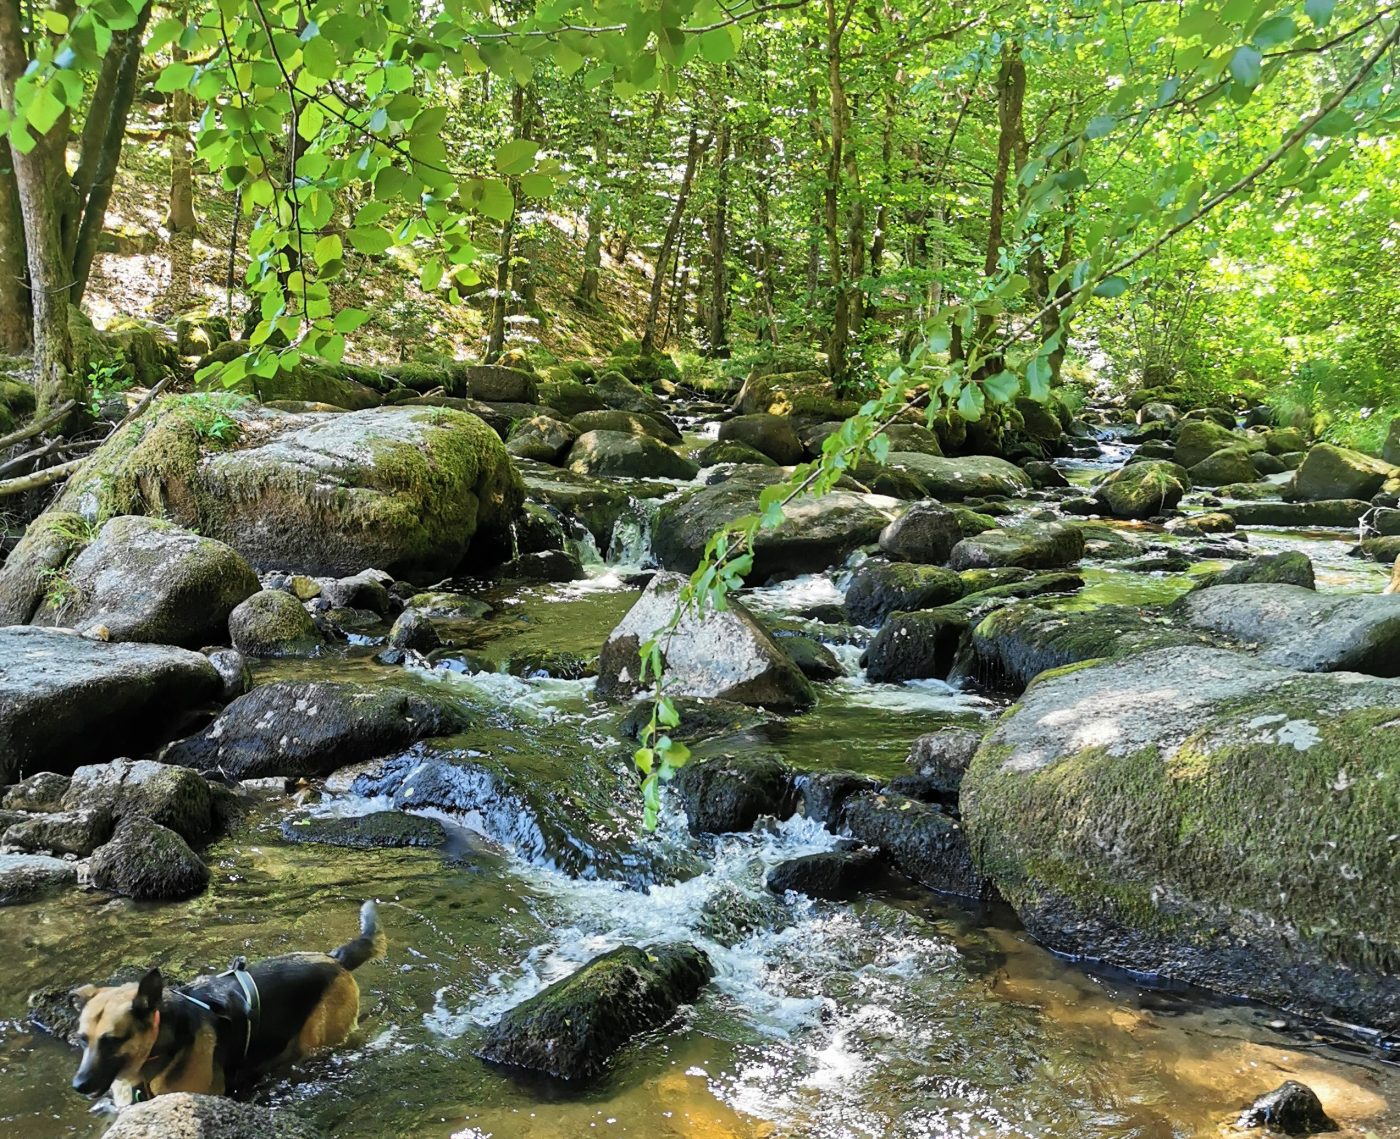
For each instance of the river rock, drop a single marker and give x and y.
(1143, 490)
(146, 580)
(1299, 628)
(1198, 439)
(879, 588)
(309, 728)
(614, 454)
(147, 862)
(628, 422)
(771, 435)
(1205, 816)
(175, 797)
(1044, 476)
(1344, 513)
(943, 756)
(1290, 1109)
(1336, 472)
(541, 437)
(233, 670)
(923, 840)
(1228, 465)
(804, 396)
(618, 392)
(274, 624)
(1285, 441)
(971, 476)
(411, 490)
(925, 533)
(492, 383)
(823, 794)
(725, 655)
(24, 877)
(1031, 545)
(908, 437)
(181, 1115)
(367, 590)
(67, 700)
(1292, 567)
(61, 832)
(378, 830)
(837, 875)
(1264, 464)
(816, 533)
(816, 661)
(42, 791)
(732, 451)
(731, 793)
(32, 579)
(573, 1027)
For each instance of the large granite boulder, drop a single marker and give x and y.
(771, 435)
(1143, 490)
(880, 588)
(1202, 815)
(410, 490)
(1337, 472)
(1198, 439)
(620, 454)
(971, 476)
(1031, 545)
(725, 655)
(181, 1115)
(926, 532)
(66, 700)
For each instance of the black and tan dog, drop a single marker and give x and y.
(145, 1039)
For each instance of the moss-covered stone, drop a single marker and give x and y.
(148, 862)
(1200, 815)
(570, 397)
(1031, 545)
(880, 588)
(618, 454)
(1336, 472)
(1142, 490)
(1233, 464)
(271, 623)
(971, 476)
(1198, 439)
(806, 396)
(733, 451)
(378, 830)
(33, 576)
(628, 422)
(1292, 567)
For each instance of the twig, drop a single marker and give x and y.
(37, 426)
(39, 479)
(55, 447)
(144, 403)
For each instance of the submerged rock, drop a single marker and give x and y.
(175, 797)
(67, 700)
(725, 655)
(1290, 1109)
(1292, 567)
(923, 840)
(375, 831)
(880, 588)
(1206, 816)
(181, 1115)
(731, 793)
(24, 877)
(309, 728)
(148, 862)
(834, 874)
(572, 1028)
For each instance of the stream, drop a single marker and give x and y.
(900, 1015)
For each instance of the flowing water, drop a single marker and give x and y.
(901, 1015)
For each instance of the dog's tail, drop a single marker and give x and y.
(370, 944)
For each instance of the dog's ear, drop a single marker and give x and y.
(80, 996)
(148, 992)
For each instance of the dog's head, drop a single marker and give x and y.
(118, 1027)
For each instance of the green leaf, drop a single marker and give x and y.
(970, 403)
(328, 249)
(1319, 11)
(536, 185)
(493, 198)
(56, 22)
(717, 46)
(1272, 32)
(1099, 126)
(370, 239)
(174, 77)
(349, 319)
(516, 156)
(1002, 387)
(42, 109)
(1111, 287)
(1038, 379)
(1246, 65)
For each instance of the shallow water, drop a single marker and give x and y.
(902, 1015)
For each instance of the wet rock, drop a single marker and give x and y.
(493, 383)
(181, 1115)
(981, 580)
(628, 422)
(175, 797)
(1301, 629)
(1228, 465)
(1265, 464)
(731, 793)
(943, 756)
(618, 392)
(817, 662)
(147, 862)
(1206, 816)
(146, 580)
(1044, 475)
(365, 590)
(1248, 492)
(233, 670)
(561, 665)
(31, 577)
(24, 877)
(1336, 512)
(414, 630)
(546, 565)
(614, 454)
(274, 624)
(67, 700)
(542, 438)
(836, 875)
(952, 480)
(700, 719)
(1198, 439)
(729, 914)
(1285, 441)
(816, 532)
(1032, 545)
(1290, 1109)
(733, 451)
(771, 435)
(823, 794)
(925, 533)
(300, 728)
(408, 489)
(1292, 567)
(921, 840)
(880, 588)
(908, 437)
(42, 791)
(923, 789)
(61, 832)
(375, 831)
(1379, 549)
(572, 1028)
(1331, 472)
(721, 655)
(1142, 490)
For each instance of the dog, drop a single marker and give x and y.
(146, 1039)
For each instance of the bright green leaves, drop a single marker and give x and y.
(1246, 65)
(720, 45)
(488, 196)
(516, 156)
(971, 403)
(43, 108)
(1319, 11)
(1002, 387)
(1273, 32)
(1111, 287)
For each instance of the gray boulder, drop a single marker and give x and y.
(24, 877)
(542, 438)
(1337, 472)
(721, 655)
(771, 435)
(971, 476)
(628, 422)
(174, 797)
(181, 1115)
(921, 839)
(492, 383)
(61, 832)
(880, 588)
(731, 793)
(616, 454)
(1031, 545)
(274, 624)
(834, 874)
(926, 533)
(43, 791)
(943, 756)
(66, 700)
(147, 862)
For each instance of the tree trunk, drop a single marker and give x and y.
(182, 217)
(694, 149)
(500, 302)
(14, 291)
(717, 310)
(42, 186)
(588, 287)
(845, 317)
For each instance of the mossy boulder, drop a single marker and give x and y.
(570, 397)
(971, 476)
(925, 533)
(174, 797)
(143, 579)
(880, 588)
(922, 840)
(621, 394)
(1031, 545)
(731, 793)
(272, 623)
(1291, 567)
(1228, 465)
(378, 830)
(618, 454)
(1143, 490)
(147, 862)
(1344, 513)
(771, 434)
(314, 382)
(32, 579)
(493, 383)
(807, 397)
(838, 875)
(643, 369)
(542, 438)
(571, 1029)
(1200, 815)
(1198, 439)
(1337, 472)
(628, 422)
(410, 490)
(913, 437)
(733, 451)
